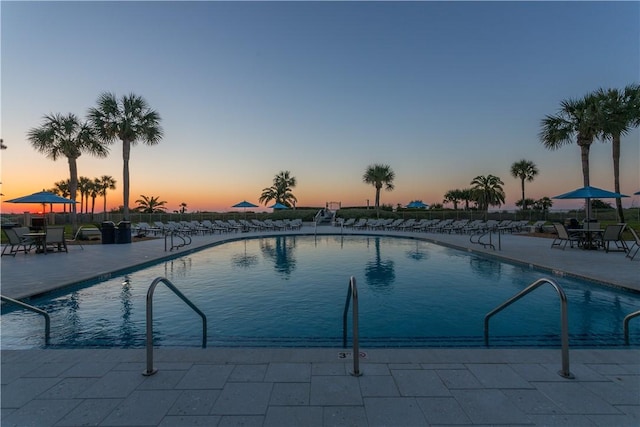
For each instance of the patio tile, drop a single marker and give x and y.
(574, 398)
(288, 372)
(113, 385)
(205, 377)
(142, 408)
(491, 407)
(293, 416)
(243, 399)
(248, 373)
(242, 421)
(90, 412)
(497, 376)
(194, 402)
(290, 394)
(378, 386)
(344, 416)
(393, 411)
(22, 390)
(419, 383)
(333, 390)
(442, 410)
(329, 369)
(161, 380)
(532, 401)
(40, 413)
(68, 388)
(458, 378)
(189, 420)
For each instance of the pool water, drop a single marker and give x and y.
(291, 290)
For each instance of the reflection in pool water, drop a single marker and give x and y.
(290, 291)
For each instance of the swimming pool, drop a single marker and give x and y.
(291, 290)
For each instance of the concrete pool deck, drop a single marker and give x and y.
(309, 387)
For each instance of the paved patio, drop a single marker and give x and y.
(309, 387)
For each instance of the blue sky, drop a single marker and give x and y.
(440, 91)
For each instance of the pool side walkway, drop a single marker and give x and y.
(313, 387)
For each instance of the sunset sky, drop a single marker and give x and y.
(440, 91)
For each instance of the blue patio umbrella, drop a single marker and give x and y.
(278, 206)
(589, 193)
(43, 197)
(417, 204)
(244, 204)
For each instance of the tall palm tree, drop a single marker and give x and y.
(577, 119)
(150, 204)
(488, 191)
(106, 183)
(281, 190)
(379, 175)
(621, 111)
(129, 119)
(66, 136)
(526, 170)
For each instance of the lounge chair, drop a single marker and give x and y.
(17, 241)
(54, 240)
(635, 246)
(613, 234)
(564, 237)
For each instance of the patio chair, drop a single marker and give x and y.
(613, 234)
(16, 241)
(564, 237)
(54, 239)
(635, 246)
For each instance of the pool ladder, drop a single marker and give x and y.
(352, 291)
(185, 240)
(625, 325)
(150, 369)
(564, 320)
(47, 318)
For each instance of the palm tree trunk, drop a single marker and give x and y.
(73, 189)
(378, 201)
(126, 152)
(522, 193)
(105, 204)
(616, 175)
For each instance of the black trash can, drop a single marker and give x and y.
(108, 229)
(124, 232)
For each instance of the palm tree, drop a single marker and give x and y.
(65, 136)
(106, 183)
(281, 190)
(379, 175)
(577, 119)
(62, 189)
(84, 186)
(488, 191)
(94, 191)
(543, 204)
(454, 197)
(525, 170)
(150, 204)
(621, 110)
(129, 119)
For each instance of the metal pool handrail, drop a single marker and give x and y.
(150, 369)
(625, 324)
(564, 320)
(47, 318)
(353, 290)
